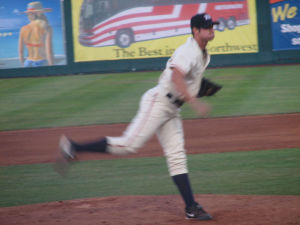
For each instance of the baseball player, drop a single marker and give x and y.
(159, 113)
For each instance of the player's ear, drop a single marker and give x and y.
(195, 30)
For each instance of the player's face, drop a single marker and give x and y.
(207, 34)
(203, 35)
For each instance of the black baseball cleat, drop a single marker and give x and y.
(66, 155)
(196, 212)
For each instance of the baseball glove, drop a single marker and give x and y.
(208, 88)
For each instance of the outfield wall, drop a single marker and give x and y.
(74, 62)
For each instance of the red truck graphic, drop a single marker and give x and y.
(100, 26)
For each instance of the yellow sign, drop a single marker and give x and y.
(102, 31)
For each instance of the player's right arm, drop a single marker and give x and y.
(201, 107)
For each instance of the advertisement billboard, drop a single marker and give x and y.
(31, 34)
(116, 29)
(285, 21)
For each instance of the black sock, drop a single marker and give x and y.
(94, 146)
(183, 184)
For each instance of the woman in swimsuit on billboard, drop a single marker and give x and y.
(37, 37)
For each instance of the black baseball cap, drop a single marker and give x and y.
(202, 20)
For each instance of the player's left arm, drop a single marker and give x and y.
(208, 88)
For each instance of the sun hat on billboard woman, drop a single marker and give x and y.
(36, 7)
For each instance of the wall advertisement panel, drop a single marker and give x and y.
(136, 29)
(31, 34)
(285, 20)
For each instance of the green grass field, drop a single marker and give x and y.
(274, 172)
(97, 99)
(113, 98)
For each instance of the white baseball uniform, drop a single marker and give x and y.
(158, 114)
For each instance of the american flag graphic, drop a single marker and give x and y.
(142, 23)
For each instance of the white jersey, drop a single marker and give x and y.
(158, 114)
(192, 62)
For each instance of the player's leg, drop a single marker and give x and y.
(70, 148)
(171, 138)
(150, 117)
(143, 126)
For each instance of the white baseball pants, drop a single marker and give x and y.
(156, 115)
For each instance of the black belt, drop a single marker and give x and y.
(177, 102)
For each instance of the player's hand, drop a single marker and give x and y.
(201, 108)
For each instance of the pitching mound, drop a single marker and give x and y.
(148, 210)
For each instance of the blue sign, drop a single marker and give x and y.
(285, 21)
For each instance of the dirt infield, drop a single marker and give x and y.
(202, 136)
